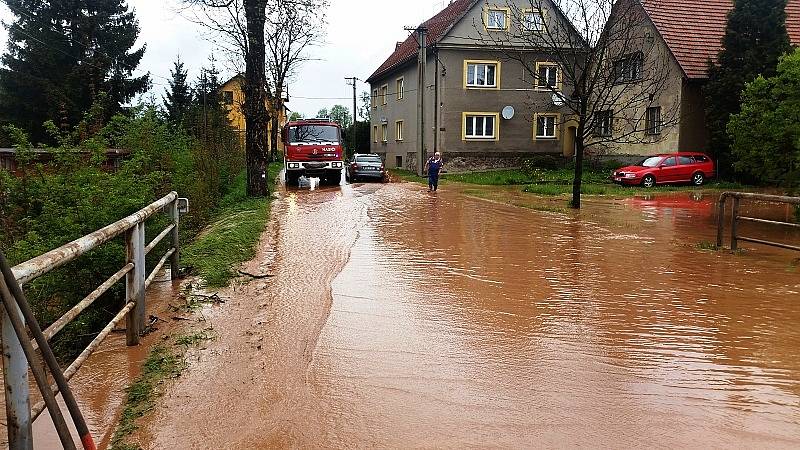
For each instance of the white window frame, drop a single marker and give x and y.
(489, 15)
(481, 65)
(375, 133)
(398, 130)
(555, 117)
(473, 118)
(384, 132)
(528, 22)
(384, 94)
(401, 88)
(375, 100)
(548, 66)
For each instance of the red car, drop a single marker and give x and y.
(668, 168)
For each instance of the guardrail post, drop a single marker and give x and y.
(15, 376)
(175, 259)
(734, 217)
(134, 282)
(721, 220)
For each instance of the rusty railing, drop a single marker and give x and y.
(19, 414)
(736, 218)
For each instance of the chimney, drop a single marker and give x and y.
(396, 46)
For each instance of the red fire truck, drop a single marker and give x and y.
(313, 148)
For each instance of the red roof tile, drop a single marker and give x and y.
(693, 29)
(438, 25)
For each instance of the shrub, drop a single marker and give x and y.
(45, 207)
(766, 134)
(541, 162)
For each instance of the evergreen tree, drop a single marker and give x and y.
(62, 56)
(754, 41)
(178, 98)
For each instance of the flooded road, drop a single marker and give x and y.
(396, 318)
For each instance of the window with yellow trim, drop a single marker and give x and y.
(401, 88)
(546, 126)
(375, 134)
(480, 126)
(533, 20)
(384, 93)
(398, 130)
(548, 76)
(375, 100)
(496, 18)
(481, 74)
(384, 133)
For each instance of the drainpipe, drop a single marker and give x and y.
(436, 101)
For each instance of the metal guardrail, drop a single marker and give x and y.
(736, 218)
(19, 414)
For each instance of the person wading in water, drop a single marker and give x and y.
(434, 167)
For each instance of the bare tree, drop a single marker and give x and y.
(241, 24)
(292, 27)
(287, 28)
(606, 71)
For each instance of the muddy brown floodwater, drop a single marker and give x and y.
(396, 318)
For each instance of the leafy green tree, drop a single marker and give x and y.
(323, 113)
(178, 98)
(341, 115)
(356, 138)
(754, 40)
(295, 116)
(61, 56)
(765, 135)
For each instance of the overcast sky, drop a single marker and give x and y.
(361, 35)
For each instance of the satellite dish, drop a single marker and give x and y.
(558, 99)
(508, 112)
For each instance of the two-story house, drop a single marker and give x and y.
(232, 94)
(482, 109)
(689, 33)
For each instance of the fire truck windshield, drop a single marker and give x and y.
(311, 134)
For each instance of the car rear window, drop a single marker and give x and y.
(669, 162)
(700, 158)
(368, 159)
(686, 160)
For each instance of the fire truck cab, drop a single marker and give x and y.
(313, 148)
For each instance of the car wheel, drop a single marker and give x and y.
(648, 181)
(698, 179)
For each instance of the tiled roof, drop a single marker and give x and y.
(693, 29)
(437, 26)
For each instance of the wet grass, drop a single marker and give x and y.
(707, 245)
(558, 182)
(164, 362)
(231, 239)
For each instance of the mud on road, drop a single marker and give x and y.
(396, 318)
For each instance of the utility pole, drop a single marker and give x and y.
(354, 82)
(422, 62)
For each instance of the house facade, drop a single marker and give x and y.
(686, 34)
(482, 109)
(232, 94)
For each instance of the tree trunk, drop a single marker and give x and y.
(576, 184)
(255, 111)
(274, 137)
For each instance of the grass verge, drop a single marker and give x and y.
(557, 182)
(232, 237)
(165, 361)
